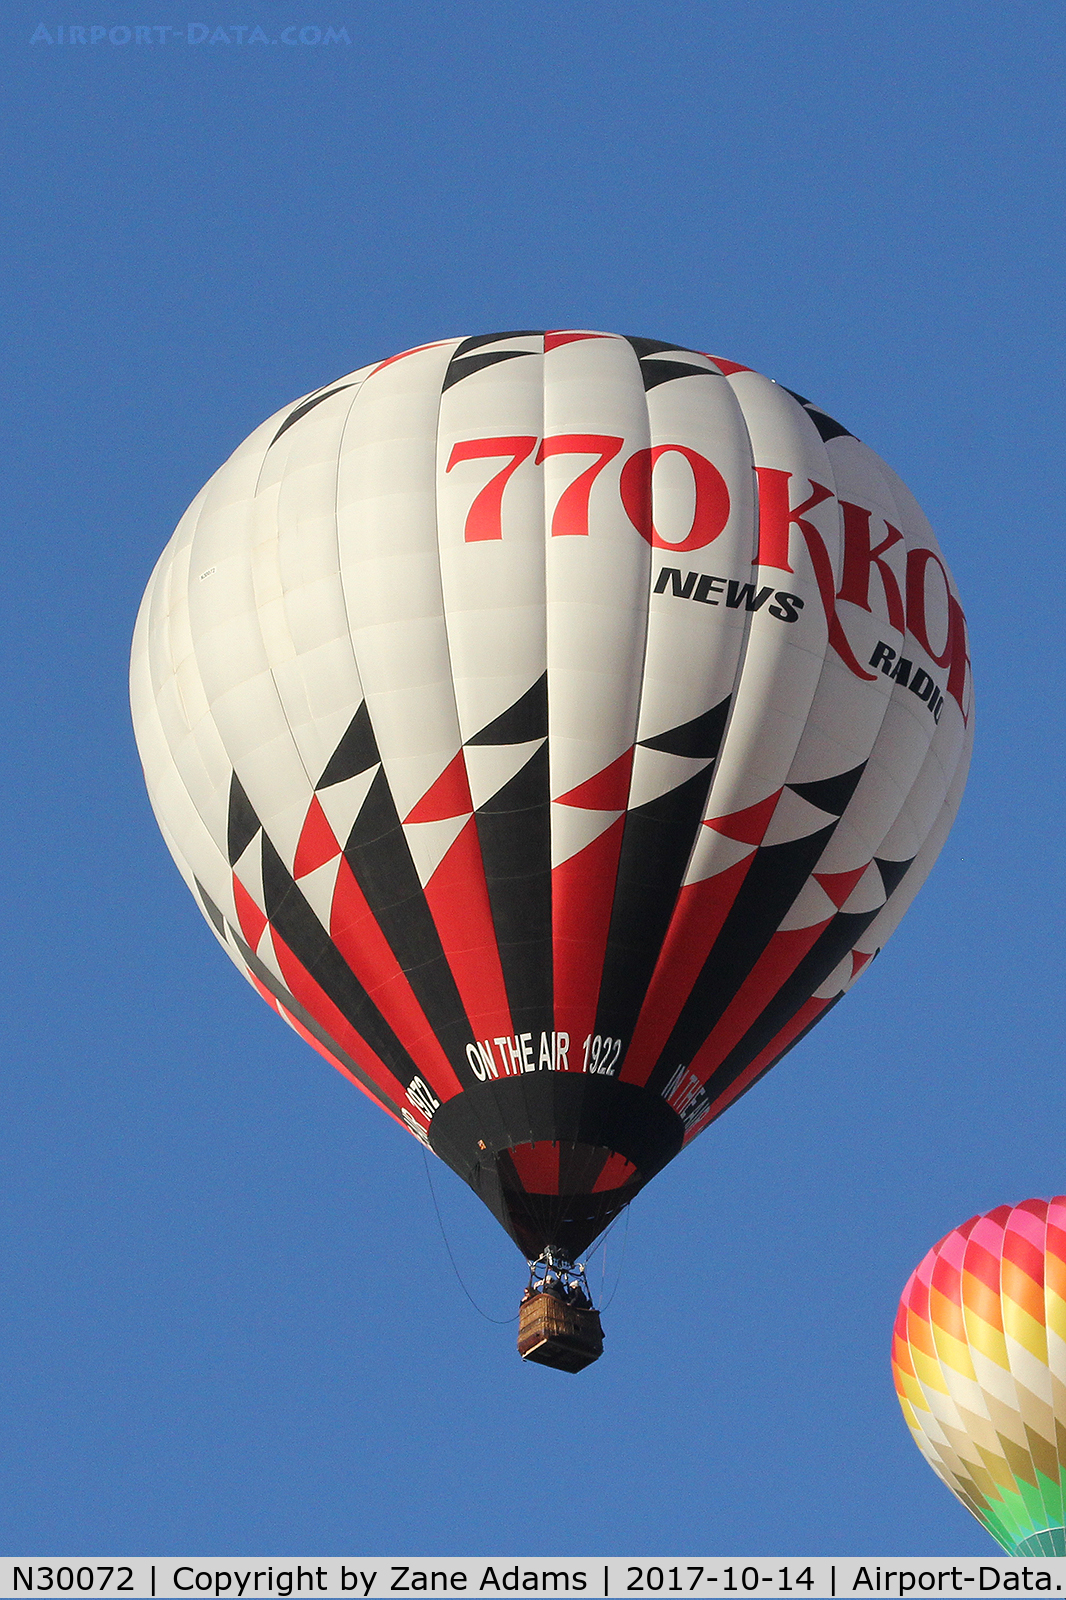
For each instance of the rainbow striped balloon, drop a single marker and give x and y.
(979, 1361)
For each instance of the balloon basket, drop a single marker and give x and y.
(556, 1335)
(557, 1323)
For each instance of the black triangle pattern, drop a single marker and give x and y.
(479, 340)
(655, 372)
(831, 794)
(699, 739)
(356, 753)
(649, 347)
(468, 365)
(243, 824)
(471, 356)
(526, 719)
(827, 426)
(892, 873)
(306, 406)
(524, 791)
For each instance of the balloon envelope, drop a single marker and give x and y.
(552, 727)
(979, 1360)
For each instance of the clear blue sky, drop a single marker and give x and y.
(229, 1324)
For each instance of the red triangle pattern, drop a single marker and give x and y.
(317, 842)
(448, 796)
(604, 791)
(251, 919)
(838, 885)
(726, 366)
(749, 825)
(553, 340)
(414, 351)
(858, 961)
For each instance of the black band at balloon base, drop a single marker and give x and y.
(556, 1156)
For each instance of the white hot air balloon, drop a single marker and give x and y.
(552, 727)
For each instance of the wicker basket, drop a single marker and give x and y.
(557, 1335)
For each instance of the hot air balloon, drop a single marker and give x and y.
(979, 1360)
(551, 727)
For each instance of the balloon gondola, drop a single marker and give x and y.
(558, 1326)
(552, 727)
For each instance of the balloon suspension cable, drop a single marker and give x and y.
(602, 1240)
(501, 1321)
(621, 1261)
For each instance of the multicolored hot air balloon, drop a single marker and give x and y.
(979, 1359)
(551, 727)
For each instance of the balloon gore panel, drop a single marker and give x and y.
(551, 727)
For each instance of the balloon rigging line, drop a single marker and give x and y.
(603, 1240)
(601, 1245)
(621, 1264)
(501, 1321)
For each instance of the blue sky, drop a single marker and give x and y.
(229, 1322)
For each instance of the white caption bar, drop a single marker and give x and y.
(804, 1577)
